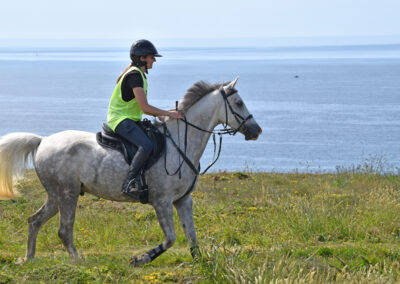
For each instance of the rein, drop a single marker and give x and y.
(220, 132)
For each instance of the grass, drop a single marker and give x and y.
(252, 228)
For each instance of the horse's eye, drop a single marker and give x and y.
(239, 103)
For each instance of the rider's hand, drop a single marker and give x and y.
(175, 114)
(161, 118)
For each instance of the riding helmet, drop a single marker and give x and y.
(143, 47)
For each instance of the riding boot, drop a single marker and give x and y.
(132, 185)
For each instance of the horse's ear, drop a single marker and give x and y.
(233, 83)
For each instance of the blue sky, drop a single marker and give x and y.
(153, 19)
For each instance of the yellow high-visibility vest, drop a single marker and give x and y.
(118, 109)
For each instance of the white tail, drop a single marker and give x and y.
(15, 149)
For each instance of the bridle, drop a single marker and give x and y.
(225, 130)
(220, 132)
(237, 116)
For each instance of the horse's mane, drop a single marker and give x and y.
(195, 93)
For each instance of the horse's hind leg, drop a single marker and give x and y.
(36, 221)
(67, 206)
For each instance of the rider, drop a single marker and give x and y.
(129, 102)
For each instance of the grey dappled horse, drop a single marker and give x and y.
(71, 162)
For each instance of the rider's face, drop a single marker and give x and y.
(149, 59)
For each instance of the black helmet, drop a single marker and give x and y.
(143, 47)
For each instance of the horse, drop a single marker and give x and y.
(71, 162)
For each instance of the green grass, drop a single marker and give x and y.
(252, 228)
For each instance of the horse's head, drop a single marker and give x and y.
(235, 113)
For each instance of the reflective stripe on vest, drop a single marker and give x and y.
(118, 109)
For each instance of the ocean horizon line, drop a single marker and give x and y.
(235, 53)
(269, 48)
(239, 42)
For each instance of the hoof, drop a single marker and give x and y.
(76, 258)
(138, 261)
(195, 252)
(21, 261)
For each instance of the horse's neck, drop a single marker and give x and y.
(203, 114)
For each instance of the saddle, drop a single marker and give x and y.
(109, 139)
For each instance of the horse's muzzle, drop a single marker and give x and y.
(252, 132)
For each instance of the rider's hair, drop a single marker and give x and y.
(123, 72)
(135, 62)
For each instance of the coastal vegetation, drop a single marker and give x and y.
(252, 228)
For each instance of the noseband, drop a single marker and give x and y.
(220, 132)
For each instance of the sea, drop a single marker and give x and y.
(321, 108)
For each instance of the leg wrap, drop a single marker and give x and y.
(156, 252)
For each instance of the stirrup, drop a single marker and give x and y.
(142, 194)
(136, 191)
(134, 185)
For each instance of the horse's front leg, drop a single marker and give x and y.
(185, 212)
(165, 216)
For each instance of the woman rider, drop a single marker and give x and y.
(128, 103)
